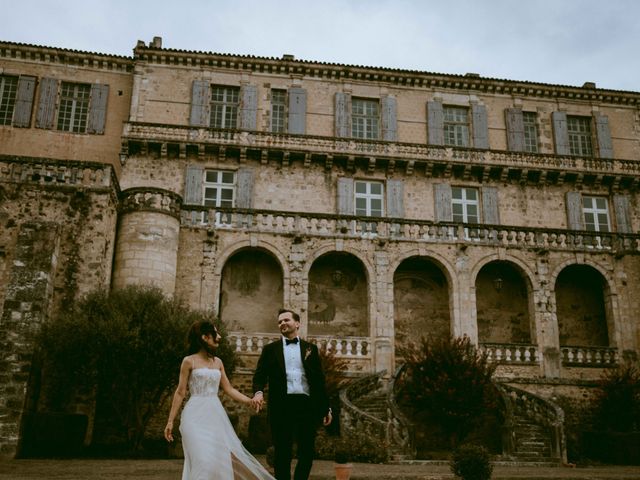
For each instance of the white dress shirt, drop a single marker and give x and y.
(296, 376)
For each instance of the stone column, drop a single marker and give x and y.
(382, 315)
(26, 306)
(546, 320)
(147, 239)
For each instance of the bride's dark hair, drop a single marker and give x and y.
(196, 331)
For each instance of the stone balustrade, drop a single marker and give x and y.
(326, 225)
(511, 353)
(344, 347)
(42, 171)
(589, 356)
(409, 153)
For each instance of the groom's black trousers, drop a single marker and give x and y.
(293, 423)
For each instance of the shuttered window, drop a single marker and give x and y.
(225, 102)
(278, 111)
(580, 139)
(369, 199)
(8, 90)
(365, 118)
(456, 126)
(464, 204)
(219, 188)
(596, 214)
(74, 107)
(530, 123)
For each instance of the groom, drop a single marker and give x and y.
(298, 400)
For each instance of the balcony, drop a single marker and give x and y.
(420, 231)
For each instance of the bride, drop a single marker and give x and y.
(212, 450)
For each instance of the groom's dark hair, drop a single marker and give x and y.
(295, 316)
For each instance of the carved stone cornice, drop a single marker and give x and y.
(150, 199)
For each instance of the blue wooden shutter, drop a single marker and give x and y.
(244, 188)
(345, 196)
(443, 210)
(389, 118)
(575, 217)
(515, 129)
(490, 208)
(560, 133)
(47, 103)
(297, 110)
(480, 126)
(248, 107)
(435, 123)
(623, 213)
(395, 198)
(97, 108)
(193, 185)
(605, 146)
(343, 114)
(24, 101)
(200, 104)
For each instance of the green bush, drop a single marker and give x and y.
(618, 401)
(124, 348)
(471, 462)
(447, 384)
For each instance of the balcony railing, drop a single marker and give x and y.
(409, 152)
(326, 225)
(589, 356)
(511, 353)
(344, 347)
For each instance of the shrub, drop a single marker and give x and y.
(124, 346)
(618, 400)
(471, 462)
(353, 447)
(333, 368)
(447, 383)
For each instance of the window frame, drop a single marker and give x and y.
(8, 98)
(595, 211)
(72, 111)
(530, 132)
(225, 112)
(464, 202)
(454, 127)
(219, 185)
(279, 111)
(365, 121)
(368, 198)
(580, 135)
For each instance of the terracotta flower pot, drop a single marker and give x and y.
(343, 471)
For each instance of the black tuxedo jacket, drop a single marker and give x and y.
(271, 372)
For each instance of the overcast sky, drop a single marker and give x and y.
(566, 42)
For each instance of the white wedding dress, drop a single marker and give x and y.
(212, 450)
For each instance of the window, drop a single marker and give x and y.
(456, 126)
(464, 205)
(8, 89)
(278, 111)
(579, 129)
(365, 118)
(369, 199)
(225, 103)
(219, 188)
(596, 214)
(530, 132)
(74, 107)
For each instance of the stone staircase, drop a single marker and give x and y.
(375, 404)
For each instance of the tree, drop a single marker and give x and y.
(126, 346)
(618, 401)
(447, 382)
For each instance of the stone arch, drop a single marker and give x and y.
(422, 299)
(338, 295)
(583, 306)
(504, 303)
(251, 290)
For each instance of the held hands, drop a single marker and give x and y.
(257, 401)
(168, 435)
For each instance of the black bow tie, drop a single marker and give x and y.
(289, 342)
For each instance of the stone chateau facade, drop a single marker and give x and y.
(382, 204)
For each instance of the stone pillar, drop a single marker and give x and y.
(147, 239)
(546, 321)
(382, 320)
(26, 305)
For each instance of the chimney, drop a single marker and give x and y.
(156, 42)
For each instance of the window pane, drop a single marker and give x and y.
(456, 192)
(376, 188)
(211, 176)
(472, 194)
(228, 177)
(226, 194)
(73, 107)
(8, 91)
(364, 118)
(361, 187)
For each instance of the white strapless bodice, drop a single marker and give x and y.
(204, 382)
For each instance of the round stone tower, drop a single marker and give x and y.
(147, 239)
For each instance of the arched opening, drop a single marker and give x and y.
(421, 301)
(502, 304)
(580, 307)
(338, 298)
(251, 292)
